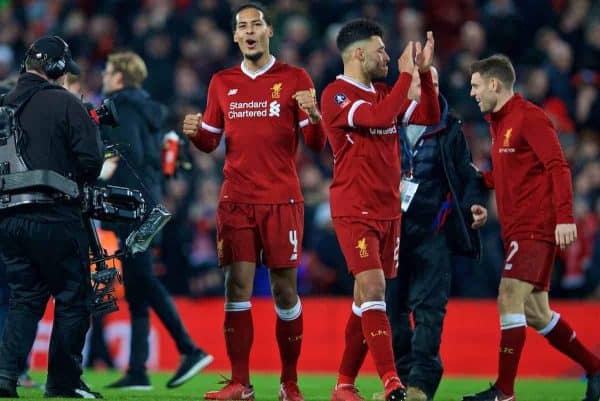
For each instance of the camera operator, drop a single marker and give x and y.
(140, 119)
(45, 246)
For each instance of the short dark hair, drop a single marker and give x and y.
(34, 64)
(244, 6)
(497, 66)
(355, 31)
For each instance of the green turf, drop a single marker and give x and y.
(316, 388)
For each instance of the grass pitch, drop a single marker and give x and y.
(314, 388)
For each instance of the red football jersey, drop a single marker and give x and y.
(361, 123)
(530, 174)
(260, 120)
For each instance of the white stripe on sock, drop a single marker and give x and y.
(237, 306)
(551, 325)
(356, 310)
(373, 305)
(512, 320)
(289, 314)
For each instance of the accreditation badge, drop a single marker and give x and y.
(408, 189)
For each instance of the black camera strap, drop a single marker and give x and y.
(136, 175)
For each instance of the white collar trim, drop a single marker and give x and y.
(260, 71)
(354, 82)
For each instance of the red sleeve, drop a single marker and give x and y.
(209, 134)
(541, 136)
(314, 134)
(427, 111)
(488, 179)
(340, 111)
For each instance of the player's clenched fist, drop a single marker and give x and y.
(307, 101)
(191, 123)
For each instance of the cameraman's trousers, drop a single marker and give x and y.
(42, 260)
(421, 287)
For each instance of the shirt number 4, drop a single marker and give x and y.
(514, 247)
(293, 236)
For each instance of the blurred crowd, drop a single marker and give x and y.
(555, 46)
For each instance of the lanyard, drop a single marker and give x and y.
(410, 154)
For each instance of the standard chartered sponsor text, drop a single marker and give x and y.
(252, 109)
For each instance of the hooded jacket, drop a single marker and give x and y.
(140, 121)
(58, 135)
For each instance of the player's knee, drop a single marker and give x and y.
(237, 290)
(372, 291)
(508, 298)
(537, 318)
(285, 296)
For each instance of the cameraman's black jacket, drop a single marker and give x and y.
(443, 163)
(59, 135)
(140, 120)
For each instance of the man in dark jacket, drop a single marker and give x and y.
(442, 198)
(44, 245)
(25, 379)
(140, 119)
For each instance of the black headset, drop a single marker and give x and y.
(52, 67)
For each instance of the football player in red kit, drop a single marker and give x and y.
(360, 118)
(259, 107)
(535, 208)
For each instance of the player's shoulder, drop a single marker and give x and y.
(381, 87)
(338, 93)
(531, 111)
(227, 73)
(288, 69)
(337, 85)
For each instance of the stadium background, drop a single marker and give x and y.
(555, 45)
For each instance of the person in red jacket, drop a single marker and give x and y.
(361, 121)
(535, 202)
(259, 107)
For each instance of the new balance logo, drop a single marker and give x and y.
(274, 109)
(232, 92)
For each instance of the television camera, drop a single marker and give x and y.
(21, 186)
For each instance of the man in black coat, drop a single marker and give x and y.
(442, 198)
(44, 244)
(140, 119)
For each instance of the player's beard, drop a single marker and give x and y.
(254, 57)
(371, 70)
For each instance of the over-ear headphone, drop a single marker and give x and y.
(53, 67)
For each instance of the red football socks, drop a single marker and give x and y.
(355, 350)
(511, 345)
(563, 338)
(377, 331)
(289, 339)
(239, 333)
